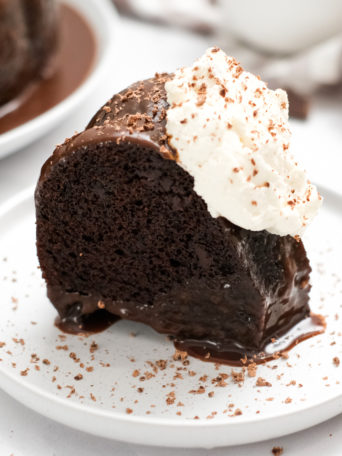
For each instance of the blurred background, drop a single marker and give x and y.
(294, 45)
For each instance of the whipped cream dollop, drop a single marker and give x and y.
(231, 134)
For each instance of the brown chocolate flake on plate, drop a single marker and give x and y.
(200, 390)
(262, 382)
(277, 451)
(18, 341)
(73, 356)
(161, 363)
(93, 347)
(220, 380)
(336, 361)
(238, 377)
(252, 369)
(180, 355)
(170, 398)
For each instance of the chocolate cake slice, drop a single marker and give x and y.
(121, 230)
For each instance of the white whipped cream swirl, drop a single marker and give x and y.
(231, 133)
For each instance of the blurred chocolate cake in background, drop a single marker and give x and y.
(47, 49)
(28, 43)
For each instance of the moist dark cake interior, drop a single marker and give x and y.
(28, 41)
(121, 229)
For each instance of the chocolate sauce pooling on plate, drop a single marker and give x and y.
(75, 323)
(75, 59)
(211, 352)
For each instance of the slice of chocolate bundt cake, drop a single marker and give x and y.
(126, 226)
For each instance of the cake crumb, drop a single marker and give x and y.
(170, 398)
(200, 390)
(238, 377)
(262, 382)
(220, 380)
(93, 347)
(180, 355)
(252, 369)
(101, 304)
(336, 361)
(277, 451)
(161, 363)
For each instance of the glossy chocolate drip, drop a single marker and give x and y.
(273, 348)
(129, 231)
(77, 323)
(136, 114)
(72, 63)
(141, 111)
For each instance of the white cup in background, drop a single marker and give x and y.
(281, 27)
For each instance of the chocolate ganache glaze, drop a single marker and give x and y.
(120, 229)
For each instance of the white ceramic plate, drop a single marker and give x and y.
(39, 366)
(103, 19)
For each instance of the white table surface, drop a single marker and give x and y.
(141, 51)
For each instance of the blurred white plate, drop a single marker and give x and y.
(305, 389)
(103, 20)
